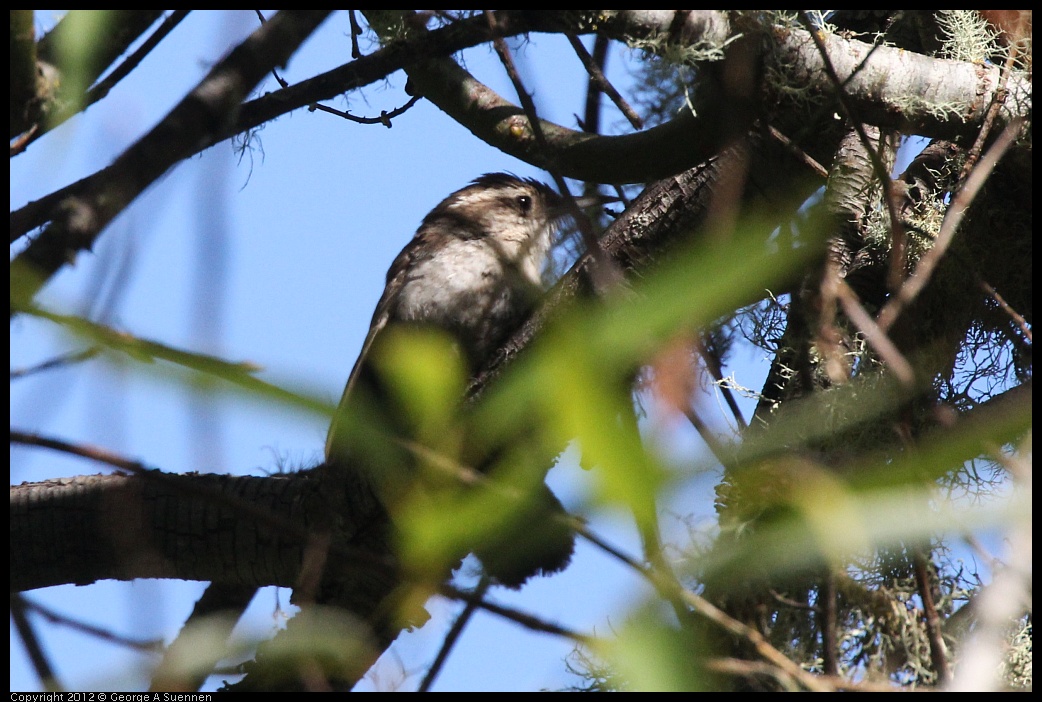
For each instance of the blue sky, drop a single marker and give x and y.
(276, 256)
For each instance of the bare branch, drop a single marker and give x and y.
(64, 94)
(598, 78)
(938, 650)
(453, 634)
(197, 119)
(384, 118)
(875, 336)
(952, 219)
(102, 88)
(39, 659)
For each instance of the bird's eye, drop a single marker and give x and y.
(524, 203)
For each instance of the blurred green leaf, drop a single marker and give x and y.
(651, 654)
(425, 371)
(146, 351)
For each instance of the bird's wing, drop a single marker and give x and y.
(395, 280)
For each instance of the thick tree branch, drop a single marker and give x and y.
(191, 527)
(892, 88)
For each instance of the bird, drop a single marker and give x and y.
(472, 272)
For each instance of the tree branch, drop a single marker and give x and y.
(575, 154)
(111, 31)
(192, 527)
(878, 82)
(202, 115)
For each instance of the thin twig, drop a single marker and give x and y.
(66, 359)
(745, 669)
(739, 667)
(24, 139)
(1014, 315)
(962, 200)
(41, 663)
(524, 619)
(103, 87)
(716, 446)
(789, 602)
(997, 101)
(274, 71)
(519, 87)
(143, 645)
(670, 588)
(603, 84)
(875, 336)
(798, 152)
(384, 118)
(711, 355)
(454, 633)
(590, 122)
(761, 644)
(938, 651)
(94, 453)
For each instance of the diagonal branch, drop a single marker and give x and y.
(952, 219)
(68, 108)
(64, 86)
(202, 115)
(605, 159)
(598, 79)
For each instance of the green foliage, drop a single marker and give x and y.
(179, 365)
(651, 654)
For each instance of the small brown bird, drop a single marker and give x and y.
(473, 270)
